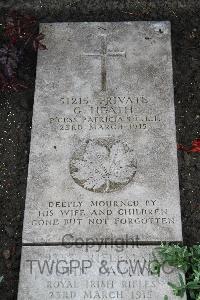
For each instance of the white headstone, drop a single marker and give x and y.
(103, 161)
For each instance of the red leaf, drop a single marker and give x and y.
(182, 147)
(23, 28)
(194, 148)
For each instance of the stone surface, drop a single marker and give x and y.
(103, 162)
(108, 272)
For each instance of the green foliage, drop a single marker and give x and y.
(156, 267)
(178, 290)
(176, 256)
(187, 260)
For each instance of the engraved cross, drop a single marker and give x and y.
(104, 53)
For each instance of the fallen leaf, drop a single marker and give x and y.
(194, 148)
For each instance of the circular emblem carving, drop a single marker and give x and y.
(103, 165)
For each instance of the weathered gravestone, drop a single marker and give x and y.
(103, 165)
(100, 272)
(103, 162)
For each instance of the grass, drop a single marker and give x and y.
(186, 260)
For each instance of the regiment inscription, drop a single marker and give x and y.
(50, 272)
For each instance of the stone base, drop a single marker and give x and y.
(92, 272)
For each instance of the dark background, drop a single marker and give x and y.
(16, 113)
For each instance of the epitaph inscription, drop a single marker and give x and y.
(103, 161)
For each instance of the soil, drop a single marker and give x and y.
(16, 113)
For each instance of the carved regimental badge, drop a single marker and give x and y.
(103, 165)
